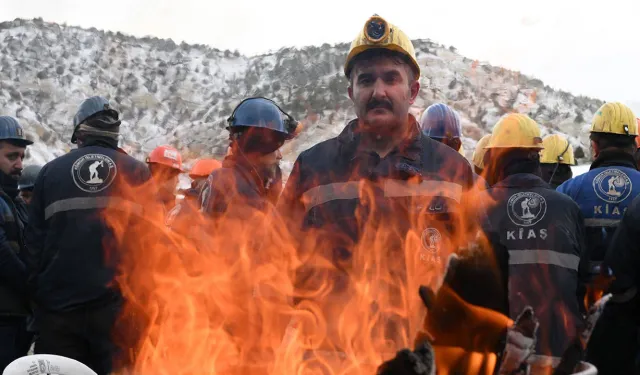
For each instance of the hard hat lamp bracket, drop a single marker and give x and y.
(561, 157)
(376, 29)
(626, 129)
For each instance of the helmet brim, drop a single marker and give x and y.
(20, 142)
(165, 165)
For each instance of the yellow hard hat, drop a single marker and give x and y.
(638, 136)
(557, 149)
(478, 153)
(614, 118)
(515, 130)
(378, 33)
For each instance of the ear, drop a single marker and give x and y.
(456, 143)
(415, 89)
(350, 92)
(453, 143)
(595, 150)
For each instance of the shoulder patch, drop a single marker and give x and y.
(431, 240)
(93, 173)
(612, 185)
(526, 208)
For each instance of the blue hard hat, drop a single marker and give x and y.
(259, 112)
(440, 121)
(11, 130)
(28, 177)
(89, 108)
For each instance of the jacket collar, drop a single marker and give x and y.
(410, 148)
(614, 158)
(100, 141)
(243, 167)
(522, 180)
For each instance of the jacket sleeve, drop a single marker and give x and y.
(623, 254)
(290, 205)
(35, 232)
(12, 269)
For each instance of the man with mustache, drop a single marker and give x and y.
(380, 173)
(14, 305)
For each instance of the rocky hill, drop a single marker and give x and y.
(181, 94)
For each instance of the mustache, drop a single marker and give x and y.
(375, 103)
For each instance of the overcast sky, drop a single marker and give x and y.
(586, 47)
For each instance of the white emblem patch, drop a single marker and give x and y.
(171, 154)
(431, 240)
(612, 185)
(527, 208)
(94, 172)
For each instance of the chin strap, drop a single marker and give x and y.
(560, 158)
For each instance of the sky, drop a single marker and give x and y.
(581, 46)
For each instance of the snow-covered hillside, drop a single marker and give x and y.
(181, 94)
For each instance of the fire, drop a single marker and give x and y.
(248, 297)
(595, 290)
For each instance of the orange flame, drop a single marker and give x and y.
(246, 297)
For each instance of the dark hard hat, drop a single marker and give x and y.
(89, 108)
(11, 130)
(441, 121)
(28, 177)
(258, 112)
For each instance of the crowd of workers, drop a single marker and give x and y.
(552, 236)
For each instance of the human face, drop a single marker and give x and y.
(256, 144)
(11, 157)
(382, 93)
(26, 195)
(269, 161)
(166, 179)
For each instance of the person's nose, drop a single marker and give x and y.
(379, 90)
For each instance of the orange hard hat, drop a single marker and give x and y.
(204, 167)
(166, 155)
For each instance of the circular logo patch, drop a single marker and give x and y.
(431, 239)
(526, 208)
(94, 172)
(612, 185)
